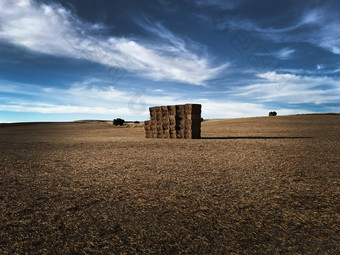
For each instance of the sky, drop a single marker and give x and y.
(82, 59)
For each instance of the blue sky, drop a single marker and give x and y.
(69, 60)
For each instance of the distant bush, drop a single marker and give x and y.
(202, 119)
(272, 113)
(118, 122)
(136, 122)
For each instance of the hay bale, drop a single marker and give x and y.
(147, 125)
(153, 123)
(166, 126)
(172, 109)
(187, 135)
(165, 111)
(159, 116)
(165, 119)
(180, 124)
(153, 112)
(148, 134)
(172, 119)
(173, 134)
(152, 115)
(193, 117)
(193, 109)
(166, 134)
(180, 134)
(179, 117)
(180, 110)
(153, 109)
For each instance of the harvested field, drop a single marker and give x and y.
(265, 185)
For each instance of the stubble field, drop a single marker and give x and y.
(265, 185)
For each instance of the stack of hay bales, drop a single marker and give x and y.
(174, 121)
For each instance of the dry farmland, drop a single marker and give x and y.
(265, 185)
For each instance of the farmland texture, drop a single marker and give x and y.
(265, 185)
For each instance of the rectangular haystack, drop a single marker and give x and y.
(174, 121)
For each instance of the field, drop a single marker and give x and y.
(266, 185)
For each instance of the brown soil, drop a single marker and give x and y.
(260, 186)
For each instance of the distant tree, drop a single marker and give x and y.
(272, 113)
(136, 122)
(202, 119)
(118, 122)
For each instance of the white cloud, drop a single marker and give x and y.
(91, 97)
(319, 67)
(320, 70)
(285, 53)
(64, 109)
(293, 89)
(52, 29)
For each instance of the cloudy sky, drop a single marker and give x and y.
(82, 59)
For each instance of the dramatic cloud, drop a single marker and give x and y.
(46, 43)
(52, 29)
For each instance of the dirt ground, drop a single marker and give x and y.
(265, 185)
